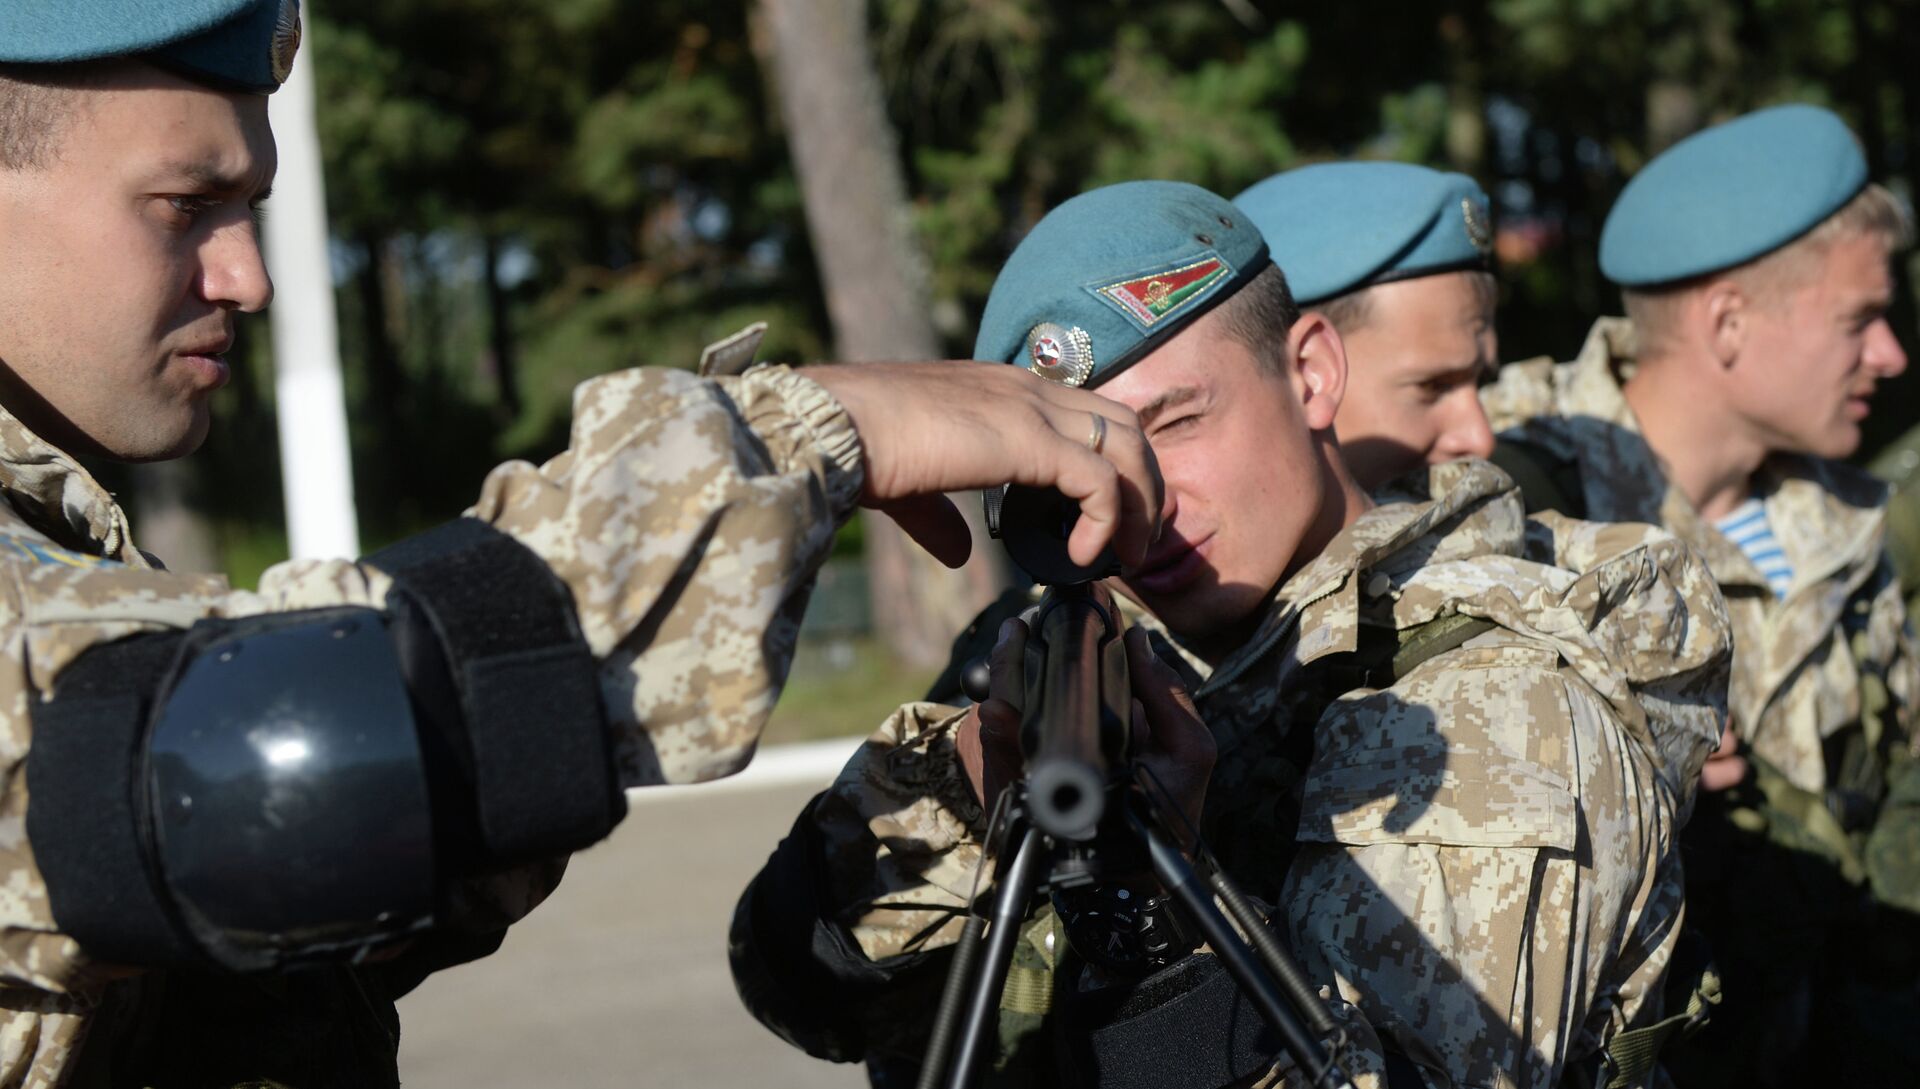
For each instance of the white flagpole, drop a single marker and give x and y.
(316, 471)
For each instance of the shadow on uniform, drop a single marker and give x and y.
(1820, 978)
(1171, 1028)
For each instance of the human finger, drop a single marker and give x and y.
(1140, 485)
(999, 736)
(1089, 480)
(1007, 664)
(1722, 773)
(936, 525)
(987, 742)
(970, 748)
(1174, 722)
(1112, 431)
(928, 428)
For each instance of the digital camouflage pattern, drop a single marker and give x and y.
(1480, 859)
(1805, 879)
(687, 517)
(1796, 671)
(1899, 466)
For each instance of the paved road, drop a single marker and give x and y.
(621, 978)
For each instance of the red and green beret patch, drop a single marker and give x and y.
(1151, 299)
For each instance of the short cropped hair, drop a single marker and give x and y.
(1873, 213)
(36, 104)
(1352, 311)
(1261, 314)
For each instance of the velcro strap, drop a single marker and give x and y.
(529, 692)
(1385, 655)
(88, 816)
(1185, 1025)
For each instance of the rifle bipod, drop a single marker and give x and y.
(1260, 966)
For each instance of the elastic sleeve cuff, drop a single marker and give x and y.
(826, 428)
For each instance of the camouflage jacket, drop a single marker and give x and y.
(687, 518)
(1899, 465)
(1480, 858)
(1805, 878)
(1798, 662)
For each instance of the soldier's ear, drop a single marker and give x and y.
(1320, 364)
(1726, 311)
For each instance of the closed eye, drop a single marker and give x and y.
(192, 205)
(1178, 423)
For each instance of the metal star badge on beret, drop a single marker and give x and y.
(286, 39)
(1059, 353)
(1478, 232)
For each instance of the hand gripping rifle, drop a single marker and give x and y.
(1085, 809)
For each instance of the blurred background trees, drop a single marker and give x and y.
(525, 193)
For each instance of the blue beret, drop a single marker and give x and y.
(1110, 275)
(236, 45)
(1339, 227)
(1730, 194)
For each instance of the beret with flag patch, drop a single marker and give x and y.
(1340, 227)
(234, 45)
(1110, 275)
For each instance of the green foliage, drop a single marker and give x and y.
(842, 687)
(655, 118)
(586, 329)
(1007, 108)
(527, 193)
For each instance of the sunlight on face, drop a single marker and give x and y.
(127, 259)
(1414, 370)
(1812, 356)
(1243, 478)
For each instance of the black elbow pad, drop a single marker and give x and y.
(291, 787)
(481, 619)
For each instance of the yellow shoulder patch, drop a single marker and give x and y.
(40, 552)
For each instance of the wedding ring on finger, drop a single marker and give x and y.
(1097, 438)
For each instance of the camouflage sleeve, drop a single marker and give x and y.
(1892, 850)
(1889, 638)
(1521, 391)
(1488, 872)
(1658, 642)
(829, 944)
(687, 518)
(901, 834)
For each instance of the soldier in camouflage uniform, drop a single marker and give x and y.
(654, 575)
(1756, 336)
(1399, 258)
(1458, 770)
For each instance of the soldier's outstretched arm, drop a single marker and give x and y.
(362, 749)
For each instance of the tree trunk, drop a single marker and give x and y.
(876, 283)
(1466, 131)
(1673, 113)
